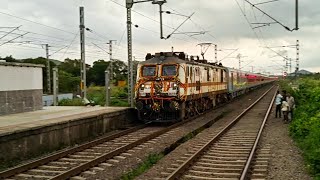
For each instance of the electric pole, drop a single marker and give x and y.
(83, 85)
(129, 38)
(48, 70)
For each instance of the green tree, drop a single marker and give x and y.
(96, 74)
(71, 66)
(68, 83)
(9, 59)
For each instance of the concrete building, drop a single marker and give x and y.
(20, 87)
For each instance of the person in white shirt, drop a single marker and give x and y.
(285, 109)
(278, 104)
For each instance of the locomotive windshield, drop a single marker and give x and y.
(149, 71)
(169, 70)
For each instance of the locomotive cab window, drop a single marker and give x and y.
(149, 71)
(169, 70)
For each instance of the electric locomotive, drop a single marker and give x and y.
(172, 86)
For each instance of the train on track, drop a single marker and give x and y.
(172, 87)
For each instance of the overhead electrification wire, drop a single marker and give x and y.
(250, 25)
(14, 29)
(13, 39)
(58, 50)
(69, 45)
(58, 29)
(253, 5)
(152, 19)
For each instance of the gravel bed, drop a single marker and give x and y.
(158, 145)
(235, 108)
(286, 161)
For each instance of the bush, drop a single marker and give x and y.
(305, 127)
(71, 102)
(98, 95)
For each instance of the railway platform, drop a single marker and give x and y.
(31, 134)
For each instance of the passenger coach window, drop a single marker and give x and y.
(169, 70)
(149, 71)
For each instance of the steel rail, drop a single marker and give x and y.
(254, 147)
(177, 173)
(25, 167)
(82, 167)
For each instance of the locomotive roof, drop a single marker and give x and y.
(172, 58)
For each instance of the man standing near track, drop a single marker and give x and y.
(278, 104)
(291, 103)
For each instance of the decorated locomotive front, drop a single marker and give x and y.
(159, 90)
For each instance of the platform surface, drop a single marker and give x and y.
(50, 115)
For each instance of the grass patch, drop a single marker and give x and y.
(144, 166)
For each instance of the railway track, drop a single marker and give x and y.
(232, 153)
(103, 152)
(73, 161)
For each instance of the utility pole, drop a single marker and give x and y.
(83, 85)
(111, 59)
(48, 70)
(107, 84)
(55, 86)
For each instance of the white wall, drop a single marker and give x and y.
(20, 78)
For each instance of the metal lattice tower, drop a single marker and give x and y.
(298, 57)
(111, 60)
(130, 75)
(83, 85)
(216, 53)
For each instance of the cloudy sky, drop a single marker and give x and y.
(57, 23)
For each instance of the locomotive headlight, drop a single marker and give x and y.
(175, 86)
(142, 87)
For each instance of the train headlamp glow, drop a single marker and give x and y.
(142, 87)
(175, 86)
